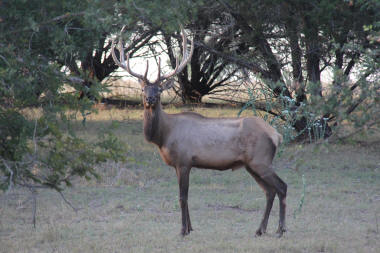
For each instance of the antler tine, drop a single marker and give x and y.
(121, 51)
(125, 64)
(184, 42)
(185, 58)
(159, 69)
(118, 63)
(146, 70)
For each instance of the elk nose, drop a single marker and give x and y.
(150, 100)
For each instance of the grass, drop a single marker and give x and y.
(134, 206)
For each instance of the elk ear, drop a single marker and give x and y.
(167, 84)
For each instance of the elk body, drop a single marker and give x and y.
(187, 140)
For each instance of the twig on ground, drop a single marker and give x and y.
(10, 176)
(68, 202)
(34, 198)
(302, 199)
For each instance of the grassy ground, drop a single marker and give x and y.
(134, 207)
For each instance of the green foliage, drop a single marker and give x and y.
(347, 110)
(338, 39)
(14, 129)
(37, 39)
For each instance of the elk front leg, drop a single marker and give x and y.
(183, 181)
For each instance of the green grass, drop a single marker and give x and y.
(134, 206)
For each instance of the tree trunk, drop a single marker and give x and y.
(296, 54)
(313, 54)
(191, 96)
(191, 90)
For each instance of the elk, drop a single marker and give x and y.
(188, 139)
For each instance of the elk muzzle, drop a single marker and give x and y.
(150, 101)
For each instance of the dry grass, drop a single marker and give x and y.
(129, 89)
(134, 207)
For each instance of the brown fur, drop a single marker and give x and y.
(187, 140)
(210, 143)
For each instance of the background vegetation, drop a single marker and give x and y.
(311, 68)
(310, 64)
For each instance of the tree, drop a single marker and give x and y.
(36, 40)
(293, 43)
(207, 72)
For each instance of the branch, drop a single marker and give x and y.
(142, 15)
(10, 177)
(354, 106)
(257, 106)
(353, 87)
(68, 202)
(223, 80)
(53, 20)
(351, 64)
(259, 40)
(75, 79)
(358, 130)
(64, 16)
(233, 59)
(360, 100)
(215, 73)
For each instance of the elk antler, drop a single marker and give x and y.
(185, 59)
(122, 63)
(125, 64)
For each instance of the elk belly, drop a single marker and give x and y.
(217, 158)
(217, 164)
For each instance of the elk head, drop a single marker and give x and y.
(152, 90)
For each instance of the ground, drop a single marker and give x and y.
(333, 202)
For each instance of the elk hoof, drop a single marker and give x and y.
(259, 232)
(280, 232)
(185, 232)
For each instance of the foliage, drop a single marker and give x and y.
(36, 40)
(208, 73)
(317, 63)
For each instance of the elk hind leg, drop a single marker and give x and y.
(270, 194)
(272, 179)
(282, 200)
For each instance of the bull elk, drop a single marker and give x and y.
(188, 139)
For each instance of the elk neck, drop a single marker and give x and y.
(154, 124)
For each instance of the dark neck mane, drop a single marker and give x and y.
(153, 125)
